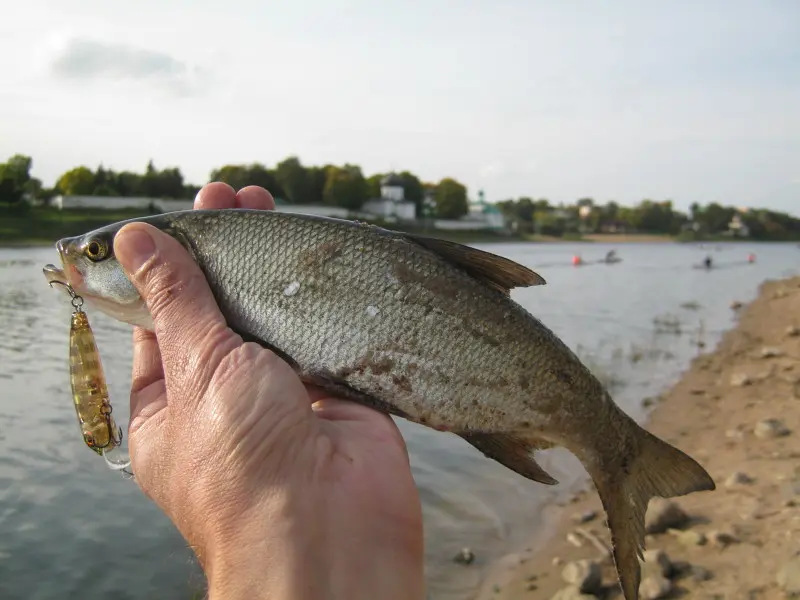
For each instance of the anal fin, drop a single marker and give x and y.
(515, 453)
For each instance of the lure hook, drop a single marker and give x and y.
(77, 300)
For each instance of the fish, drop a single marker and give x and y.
(417, 327)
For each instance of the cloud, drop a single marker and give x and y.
(83, 59)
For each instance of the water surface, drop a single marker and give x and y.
(69, 528)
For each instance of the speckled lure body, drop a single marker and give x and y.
(89, 389)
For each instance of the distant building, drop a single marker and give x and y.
(392, 204)
(737, 227)
(482, 215)
(121, 203)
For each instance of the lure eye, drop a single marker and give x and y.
(96, 250)
(88, 438)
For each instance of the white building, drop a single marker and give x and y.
(121, 202)
(392, 205)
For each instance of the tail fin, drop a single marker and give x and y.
(658, 470)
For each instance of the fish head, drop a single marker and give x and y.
(93, 272)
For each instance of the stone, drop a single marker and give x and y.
(574, 539)
(690, 538)
(663, 514)
(740, 380)
(465, 557)
(699, 573)
(788, 578)
(770, 352)
(585, 517)
(654, 587)
(572, 593)
(656, 562)
(770, 428)
(738, 478)
(722, 538)
(586, 575)
(792, 331)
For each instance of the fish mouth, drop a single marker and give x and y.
(54, 275)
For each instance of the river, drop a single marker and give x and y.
(70, 528)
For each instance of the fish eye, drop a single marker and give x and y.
(96, 250)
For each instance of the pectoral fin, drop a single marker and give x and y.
(515, 453)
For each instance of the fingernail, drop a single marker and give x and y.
(135, 247)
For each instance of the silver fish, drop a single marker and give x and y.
(420, 328)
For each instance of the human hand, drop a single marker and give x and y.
(283, 492)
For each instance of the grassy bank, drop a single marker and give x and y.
(43, 226)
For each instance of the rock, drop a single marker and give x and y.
(586, 575)
(790, 490)
(770, 352)
(585, 517)
(788, 578)
(556, 561)
(740, 380)
(465, 557)
(656, 562)
(792, 331)
(738, 478)
(663, 514)
(689, 538)
(699, 573)
(735, 434)
(770, 428)
(654, 587)
(722, 538)
(574, 539)
(736, 305)
(572, 593)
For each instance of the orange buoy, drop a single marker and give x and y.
(576, 260)
(751, 258)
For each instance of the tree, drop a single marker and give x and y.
(451, 199)
(413, 190)
(295, 180)
(374, 185)
(15, 177)
(345, 187)
(76, 182)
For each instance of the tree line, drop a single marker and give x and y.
(346, 186)
(343, 186)
(649, 216)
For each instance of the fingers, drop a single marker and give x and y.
(255, 197)
(215, 195)
(191, 332)
(220, 195)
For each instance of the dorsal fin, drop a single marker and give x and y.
(499, 272)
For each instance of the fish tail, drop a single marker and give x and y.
(658, 469)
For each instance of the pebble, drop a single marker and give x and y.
(689, 538)
(738, 478)
(663, 514)
(654, 587)
(465, 557)
(573, 539)
(656, 562)
(792, 331)
(770, 352)
(736, 305)
(585, 517)
(586, 575)
(722, 538)
(572, 593)
(788, 578)
(740, 380)
(700, 573)
(770, 428)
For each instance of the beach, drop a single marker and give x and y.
(737, 411)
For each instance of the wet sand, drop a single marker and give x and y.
(736, 411)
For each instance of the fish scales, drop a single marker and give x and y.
(439, 363)
(420, 328)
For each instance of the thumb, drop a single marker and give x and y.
(192, 334)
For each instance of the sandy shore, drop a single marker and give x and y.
(737, 411)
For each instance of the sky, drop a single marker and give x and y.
(623, 100)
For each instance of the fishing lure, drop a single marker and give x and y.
(89, 389)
